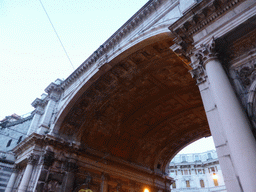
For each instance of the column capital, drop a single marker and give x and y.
(206, 52)
(200, 57)
(32, 159)
(16, 168)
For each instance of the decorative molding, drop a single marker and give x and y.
(122, 32)
(198, 72)
(39, 103)
(197, 19)
(53, 87)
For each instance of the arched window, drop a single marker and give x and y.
(19, 140)
(215, 182)
(9, 143)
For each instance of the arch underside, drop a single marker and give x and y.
(143, 110)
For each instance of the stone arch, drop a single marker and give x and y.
(141, 107)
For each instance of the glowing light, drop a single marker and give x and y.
(214, 176)
(146, 190)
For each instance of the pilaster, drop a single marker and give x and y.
(54, 91)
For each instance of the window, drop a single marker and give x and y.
(185, 172)
(174, 185)
(196, 158)
(202, 183)
(215, 182)
(199, 171)
(19, 140)
(183, 158)
(9, 143)
(209, 155)
(187, 183)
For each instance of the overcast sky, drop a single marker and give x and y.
(31, 56)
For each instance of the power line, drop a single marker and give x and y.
(57, 35)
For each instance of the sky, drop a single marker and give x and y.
(31, 56)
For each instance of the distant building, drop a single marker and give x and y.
(13, 129)
(196, 172)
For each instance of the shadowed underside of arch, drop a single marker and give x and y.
(143, 110)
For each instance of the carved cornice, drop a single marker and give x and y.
(198, 18)
(53, 87)
(39, 102)
(122, 32)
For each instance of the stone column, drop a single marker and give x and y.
(234, 121)
(12, 179)
(104, 183)
(27, 174)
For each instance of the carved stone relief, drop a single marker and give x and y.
(244, 81)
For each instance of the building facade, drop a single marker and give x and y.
(13, 130)
(177, 71)
(197, 172)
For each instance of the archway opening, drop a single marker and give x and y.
(141, 111)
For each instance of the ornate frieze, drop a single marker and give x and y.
(199, 17)
(196, 20)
